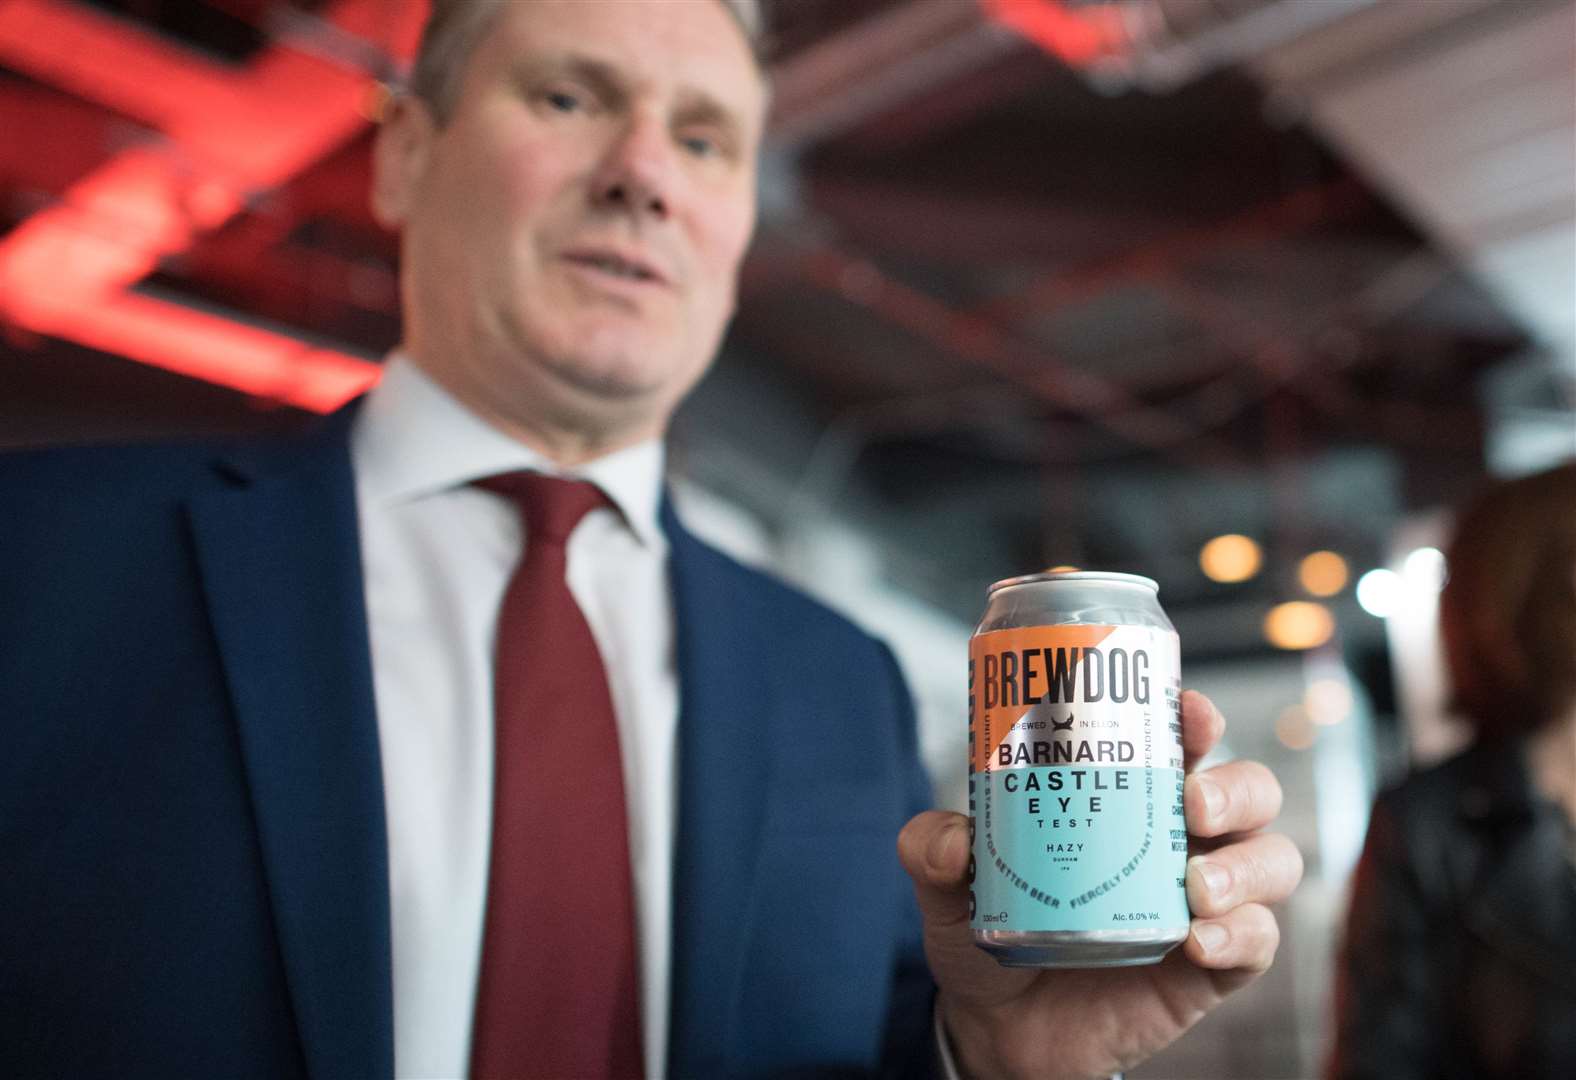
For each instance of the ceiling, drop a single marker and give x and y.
(1037, 282)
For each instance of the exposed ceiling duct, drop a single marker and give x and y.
(1158, 45)
(1464, 111)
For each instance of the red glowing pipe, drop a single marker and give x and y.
(65, 271)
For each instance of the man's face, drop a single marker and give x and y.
(572, 234)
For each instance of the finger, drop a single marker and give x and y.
(1262, 869)
(1239, 796)
(1202, 727)
(1243, 942)
(934, 849)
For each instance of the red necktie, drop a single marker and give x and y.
(558, 996)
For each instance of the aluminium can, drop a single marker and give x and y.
(1075, 773)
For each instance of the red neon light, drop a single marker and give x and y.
(106, 234)
(65, 270)
(220, 350)
(107, 61)
(1076, 37)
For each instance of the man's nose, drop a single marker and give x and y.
(637, 173)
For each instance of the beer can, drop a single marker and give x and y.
(1079, 846)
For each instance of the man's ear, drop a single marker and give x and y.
(399, 158)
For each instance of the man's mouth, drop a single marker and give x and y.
(620, 266)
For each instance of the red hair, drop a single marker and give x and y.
(1507, 614)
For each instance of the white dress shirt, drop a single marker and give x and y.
(437, 554)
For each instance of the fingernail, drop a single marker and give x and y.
(1216, 880)
(1212, 936)
(940, 844)
(1214, 798)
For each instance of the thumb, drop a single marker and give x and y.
(934, 849)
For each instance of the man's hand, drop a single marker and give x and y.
(1085, 1023)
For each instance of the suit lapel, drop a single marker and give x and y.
(721, 651)
(278, 550)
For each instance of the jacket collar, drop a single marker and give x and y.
(412, 438)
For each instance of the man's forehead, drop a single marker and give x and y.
(697, 57)
(677, 39)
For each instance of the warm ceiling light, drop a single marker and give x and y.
(1298, 624)
(1328, 701)
(1229, 558)
(1294, 728)
(1323, 573)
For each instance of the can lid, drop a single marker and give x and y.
(1077, 575)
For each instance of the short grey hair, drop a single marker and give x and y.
(454, 27)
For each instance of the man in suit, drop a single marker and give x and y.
(247, 799)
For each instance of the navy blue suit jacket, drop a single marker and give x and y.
(193, 863)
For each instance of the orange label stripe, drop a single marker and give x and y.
(1017, 641)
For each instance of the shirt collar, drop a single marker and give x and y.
(411, 439)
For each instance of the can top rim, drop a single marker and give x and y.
(1077, 575)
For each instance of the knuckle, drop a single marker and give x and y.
(1290, 857)
(1194, 808)
(1279, 867)
(1248, 876)
(1261, 938)
(1264, 868)
(1253, 941)
(1252, 876)
(1255, 794)
(1270, 787)
(1210, 886)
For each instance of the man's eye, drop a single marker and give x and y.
(701, 146)
(562, 101)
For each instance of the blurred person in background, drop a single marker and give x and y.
(258, 815)
(1459, 958)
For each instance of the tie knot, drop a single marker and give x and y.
(552, 505)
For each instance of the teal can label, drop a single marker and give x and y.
(1075, 794)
